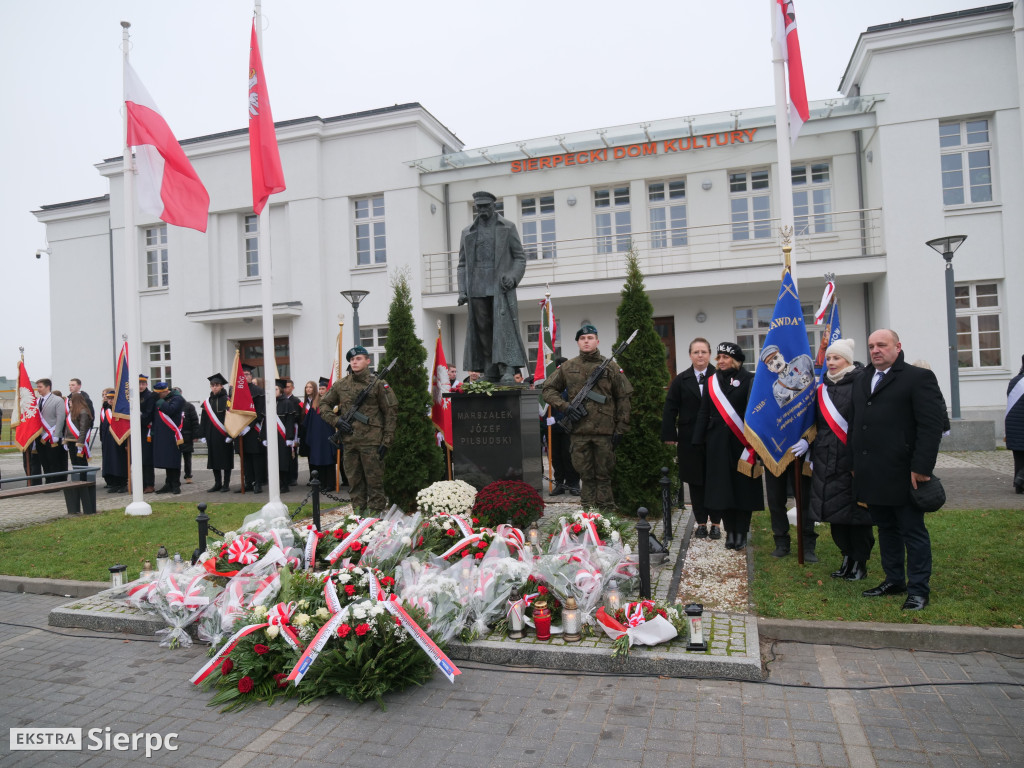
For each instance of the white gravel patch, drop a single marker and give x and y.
(714, 576)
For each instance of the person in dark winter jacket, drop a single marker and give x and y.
(189, 433)
(832, 499)
(167, 436)
(1014, 425)
(734, 494)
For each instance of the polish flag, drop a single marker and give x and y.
(785, 30)
(267, 176)
(440, 407)
(26, 411)
(168, 186)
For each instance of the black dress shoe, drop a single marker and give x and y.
(246, 489)
(886, 588)
(163, 489)
(843, 569)
(730, 540)
(257, 488)
(574, 490)
(857, 571)
(740, 542)
(915, 602)
(176, 490)
(226, 489)
(715, 532)
(701, 532)
(558, 490)
(216, 487)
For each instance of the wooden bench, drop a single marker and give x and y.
(79, 493)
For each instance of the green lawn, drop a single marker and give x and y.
(84, 547)
(976, 573)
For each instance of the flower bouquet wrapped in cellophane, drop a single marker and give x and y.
(255, 584)
(643, 622)
(498, 572)
(438, 589)
(180, 598)
(391, 540)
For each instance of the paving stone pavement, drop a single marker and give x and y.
(509, 718)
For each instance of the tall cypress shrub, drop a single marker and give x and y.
(414, 460)
(641, 454)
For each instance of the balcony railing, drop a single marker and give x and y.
(837, 235)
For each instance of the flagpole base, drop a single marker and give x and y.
(276, 507)
(138, 509)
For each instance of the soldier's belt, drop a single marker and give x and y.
(597, 397)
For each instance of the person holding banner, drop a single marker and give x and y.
(735, 495)
(897, 426)
(284, 429)
(220, 453)
(147, 412)
(115, 457)
(1014, 426)
(832, 498)
(167, 436)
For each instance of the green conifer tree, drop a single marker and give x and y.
(641, 454)
(414, 460)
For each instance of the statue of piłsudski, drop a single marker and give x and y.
(491, 265)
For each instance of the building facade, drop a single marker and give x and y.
(924, 142)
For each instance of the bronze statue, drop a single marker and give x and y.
(491, 265)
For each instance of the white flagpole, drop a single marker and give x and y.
(131, 275)
(782, 140)
(274, 504)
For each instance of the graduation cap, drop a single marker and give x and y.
(248, 368)
(324, 381)
(217, 379)
(282, 383)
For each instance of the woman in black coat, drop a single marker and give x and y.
(727, 490)
(115, 457)
(1014, 425)
(284, 430)
(832, 499)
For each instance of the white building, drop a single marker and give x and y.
(927, 142)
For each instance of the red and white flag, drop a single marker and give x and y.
(787, 45)
(26, 411)
(267, 176)
(440, 407)
(167, 186)
(241, 408)
(546, 341)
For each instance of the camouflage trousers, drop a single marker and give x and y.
(594, 459)
(365, 473)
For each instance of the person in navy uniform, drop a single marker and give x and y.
(170, 407)
(220, 455)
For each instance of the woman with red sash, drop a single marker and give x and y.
(832, 499)
(220, 449)
(734, 492)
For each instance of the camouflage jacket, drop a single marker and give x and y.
(380, 409)
(603, 418)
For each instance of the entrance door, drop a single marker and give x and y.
(251, 353)
(666, 328)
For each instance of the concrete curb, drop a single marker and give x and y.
(64, 587)
(916, 637)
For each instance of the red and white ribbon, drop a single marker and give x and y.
(826, 297)
(462, 545)
(212, 415)
(338, 551)
(280, 612)
(175, 428)
(732, 419)
(243, 551)
(465, 528)
(657, 630)
(831, 414)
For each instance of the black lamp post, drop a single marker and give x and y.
(355, 298)
(947, 247)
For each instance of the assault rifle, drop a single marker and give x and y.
(577, 410)
(344, 426)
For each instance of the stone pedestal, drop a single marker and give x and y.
(496, 437)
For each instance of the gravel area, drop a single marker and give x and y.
(714, 576)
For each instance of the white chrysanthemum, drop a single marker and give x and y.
(377, 610)
(302, 603)
(322, 613)
(272, 631)
(359, 612)
(344, 578)
(301, 619)
(260, 611)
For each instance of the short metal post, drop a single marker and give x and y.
(643, 530)
(315, 482)
(203, 521)
(666, 503)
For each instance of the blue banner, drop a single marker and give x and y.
(831, 333)
(781, 406)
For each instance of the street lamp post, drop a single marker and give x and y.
(947, 247)
(354, 298)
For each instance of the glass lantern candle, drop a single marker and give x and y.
(516, 611)
(571, 621)
(117, 575)
(533, 536)
(612, 600)
(162, 559)
(695, 618)
(542, 619)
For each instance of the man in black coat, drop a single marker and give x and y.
(682, 402)
(897, 426)
(147, 412)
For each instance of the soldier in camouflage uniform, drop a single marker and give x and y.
(597, 433)
(367, 441)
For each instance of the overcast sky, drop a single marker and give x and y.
(492, 73)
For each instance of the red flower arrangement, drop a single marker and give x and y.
(227, 666)
(507, 500)
(245, 685)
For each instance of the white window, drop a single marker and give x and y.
(251, 246)
(159, 362)
(371, 245)
(667, 206)
(812, 199)
(752, 324)
(612, 219)
(538, 219)
(532, 342)
(750, 204)
(156, 256)
(978, 338)
(966, 145)
(374, 337)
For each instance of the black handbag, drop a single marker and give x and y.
(929, 495)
